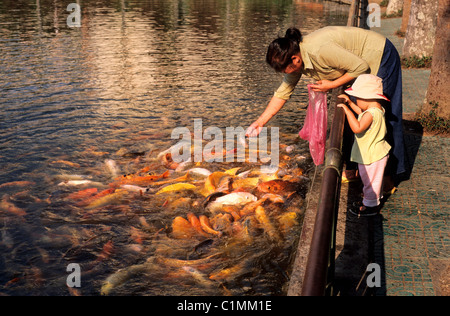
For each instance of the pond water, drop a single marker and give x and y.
(82, 107)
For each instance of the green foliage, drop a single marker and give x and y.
(393, 15)
(384, 3)
(417, 62)
(431, 122)
(399, 33)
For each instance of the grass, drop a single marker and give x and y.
(431, 122)
(417, 62)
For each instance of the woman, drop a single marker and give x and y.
(334, 56)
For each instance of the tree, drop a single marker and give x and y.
(405, 17)
(394, 7)
(438, 94)
(420, 34)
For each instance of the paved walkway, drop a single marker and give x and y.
(415, 220)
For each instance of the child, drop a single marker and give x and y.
(370, 149)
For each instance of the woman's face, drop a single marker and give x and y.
(295, 66)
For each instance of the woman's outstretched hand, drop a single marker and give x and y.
(253, 130)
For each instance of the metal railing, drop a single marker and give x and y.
(319, 273)
(358, 14)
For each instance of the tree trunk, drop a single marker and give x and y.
(405, 17)
(420, 34)
(394, 6)
(438, 94)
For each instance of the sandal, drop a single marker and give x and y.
(365, 211)
(390, 192)
(352, 178)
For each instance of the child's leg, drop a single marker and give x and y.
(372, 178)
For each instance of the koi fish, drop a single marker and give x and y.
(141, 180)
(137, 235)
(206, 226)
(168, 162)
(214, 181)
(200, 277)
(106, 252)
(6, 240)
(195, 222)
(274, 198)
(233, 211)
(236, 198)
(17, 183)
(264, 220)
(287, 221)
(245, 183)
(107, 199)
(91, 199)
(181, 228)
(82, 194)
(177, 187)
(281, 187)
(200, 171)
(229, 272)
(232, 171)
(180, 263)
(79, 182)
(112, 167)
(67, 163)
(133, 188)
(222, 222)
(123, 275)
(7, 206)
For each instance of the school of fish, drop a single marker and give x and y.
(223, 228)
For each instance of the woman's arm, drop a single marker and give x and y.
(325, 85)
(273, 107)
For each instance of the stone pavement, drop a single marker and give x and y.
(415, 226)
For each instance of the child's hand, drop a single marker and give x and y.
(341, 105)
(345, 97)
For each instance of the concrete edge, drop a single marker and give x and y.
(304, 243)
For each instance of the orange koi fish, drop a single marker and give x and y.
(17, 183)
(278, 186)
(107, 250)
(263, 219)
(181, 228)
(107, 199)
(141, 180)
(82, 194)
(206, 226)
(7, 206)
(95, 197)
(67, 163)
(195, 222)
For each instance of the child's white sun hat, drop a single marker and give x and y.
(367, 86)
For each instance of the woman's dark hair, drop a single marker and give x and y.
(280, 51)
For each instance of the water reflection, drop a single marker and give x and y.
(120, 83)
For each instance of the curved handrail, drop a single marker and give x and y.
(319, 272)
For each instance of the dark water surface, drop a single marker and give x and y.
(115, 88)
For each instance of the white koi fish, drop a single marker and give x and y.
(112, 167)
(236, 198)
(199, 171)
